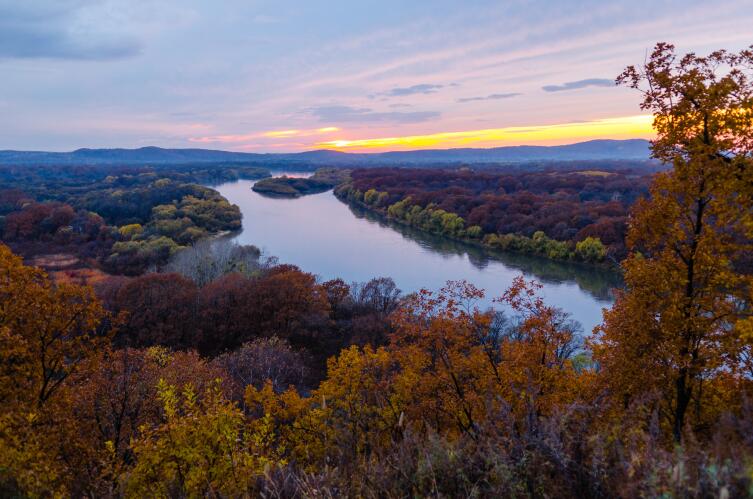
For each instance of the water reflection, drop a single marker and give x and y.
(600, 283)
(324, 236)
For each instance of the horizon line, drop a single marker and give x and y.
(323, 149)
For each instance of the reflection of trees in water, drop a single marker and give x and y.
(596, 282)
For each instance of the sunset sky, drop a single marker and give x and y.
(279, 76)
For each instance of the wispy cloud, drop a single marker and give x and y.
(241, 76)
(223, 138)
(574, 85)
(272, 134)
(343, 114)
(490, 97)
(421, 88)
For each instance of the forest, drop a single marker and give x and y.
(116, 219)
(322, 180)
(223, 373)
(580, 215)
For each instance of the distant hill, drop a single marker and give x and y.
(142, 155)
(635, 150)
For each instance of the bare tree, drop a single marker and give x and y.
(208, 260)
(381, 294)
(260, 360)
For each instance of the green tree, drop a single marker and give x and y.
(474, 232)
(370, 197)
(130, 231)
(590, 250)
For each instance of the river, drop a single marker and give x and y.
(326, 237)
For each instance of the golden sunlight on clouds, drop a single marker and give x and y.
(628, 127)
(273, 134)
(282, 133)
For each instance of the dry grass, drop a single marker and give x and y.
(83, 276)
(64, 267)
(55, 261)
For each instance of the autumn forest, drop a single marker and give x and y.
(143, 354)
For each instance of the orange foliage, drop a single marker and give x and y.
(679, 328)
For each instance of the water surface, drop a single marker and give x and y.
(324, 236)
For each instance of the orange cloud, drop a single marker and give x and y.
(282, 133)
(613, 128)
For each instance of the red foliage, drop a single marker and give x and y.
(566, 206)
(170, 310)
(160, 311)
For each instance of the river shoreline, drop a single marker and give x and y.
(331, 239)
(605, 266)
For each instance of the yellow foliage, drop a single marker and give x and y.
(199, 450)
(130, 231)
(46, 333)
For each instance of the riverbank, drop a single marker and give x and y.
(449, 225)
(324, 236)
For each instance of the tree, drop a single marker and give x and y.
(535, 354)
(129, 231)
(380, 294)
(371, 196)
(54, 328)
(590, 249)
(46, 333)
(288, 303)
(113, 396)
(260, 361)
(197, 451)
(206, 261)
(680, 322)
(354, 411)
(160, 310)
(224, 315)
(450, 370)
(283, 302)
(446, 382)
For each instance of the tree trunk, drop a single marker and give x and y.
(683, 401)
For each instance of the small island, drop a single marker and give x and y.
(322, 180)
